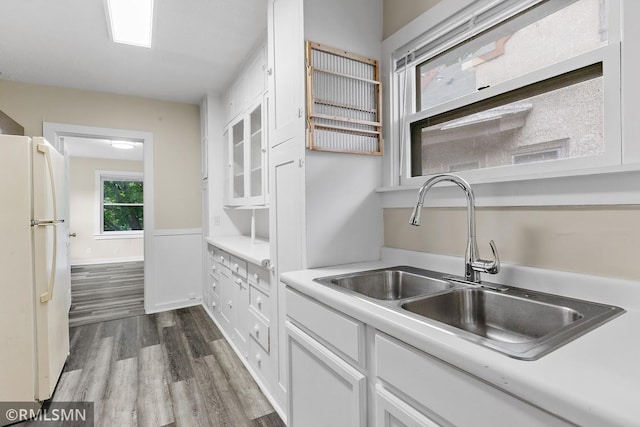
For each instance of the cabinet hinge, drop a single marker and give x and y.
(300, 112)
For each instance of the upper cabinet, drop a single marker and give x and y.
(286, 70)
(247, 158)
(245, 134)
(249, 86)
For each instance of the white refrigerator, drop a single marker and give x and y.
(34, 269)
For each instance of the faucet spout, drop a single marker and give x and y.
(473, 264)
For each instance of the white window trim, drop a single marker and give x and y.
(100, 234)
(612, 182)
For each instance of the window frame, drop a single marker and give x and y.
(101, 177)
(620, 156)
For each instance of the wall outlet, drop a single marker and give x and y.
(216, 220)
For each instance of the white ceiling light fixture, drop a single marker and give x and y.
(123, 145)
(131, 21)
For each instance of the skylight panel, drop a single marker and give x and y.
(131, 21)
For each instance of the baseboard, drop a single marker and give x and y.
(254, 375)
(105, 261)
(173, 305)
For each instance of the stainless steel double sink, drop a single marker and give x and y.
(520, 323)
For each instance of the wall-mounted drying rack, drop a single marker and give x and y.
(343, 101)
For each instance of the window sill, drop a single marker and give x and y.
(119, 235)
(615, 185)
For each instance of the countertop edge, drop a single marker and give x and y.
(241, 246)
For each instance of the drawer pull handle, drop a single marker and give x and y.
(259, 302)
(238, 281)
(222, 259)
(257, 329)
(236, 266)
(255, 275)
(230, 303)
(258, 358)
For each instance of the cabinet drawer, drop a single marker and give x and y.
(444, 390)
(220, 257)
(214, 285)
(259, 301)
(259, 330)
(238, 266)
(214, 302)
(261, 362)
(336, 329)
(259, 277)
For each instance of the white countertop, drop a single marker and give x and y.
(257, 252)
(591, 381)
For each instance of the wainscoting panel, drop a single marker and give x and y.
(177, 270)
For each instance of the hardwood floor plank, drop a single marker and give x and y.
(119, 404)
(67, 386)
(269, 420)
(84, 338)
(93, 383)
(196, 344)
(253, 402)
(176, 354)
(127, 339)
(223, 406)
(148, 330)
(154, 407)
(208, 329)
(164, 319)
(188, 406)
(110, 328)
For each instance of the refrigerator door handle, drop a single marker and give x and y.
(43, 222)
(44, 149)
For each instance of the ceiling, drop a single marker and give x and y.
(100, 149)
(198, 45)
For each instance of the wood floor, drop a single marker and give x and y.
(167, 369)
(106, 291)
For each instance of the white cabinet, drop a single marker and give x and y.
(247, 158)
(391, 411)
(286, 70)
(441, 390)
(324, 390)
(326, 386)
(243, 303)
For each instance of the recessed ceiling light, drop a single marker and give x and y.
(123, 145)
(131, 21)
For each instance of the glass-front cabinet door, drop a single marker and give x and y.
(247, 169)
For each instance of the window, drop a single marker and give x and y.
(121, 203)
(511, 88)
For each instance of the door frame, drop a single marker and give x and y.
(52, 132)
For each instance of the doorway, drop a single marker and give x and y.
(110, 215)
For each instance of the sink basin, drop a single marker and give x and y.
(523, 324)
(389, 284)
(494, 315)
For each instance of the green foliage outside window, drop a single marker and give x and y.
(122, 205)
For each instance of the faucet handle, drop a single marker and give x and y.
(486, 266)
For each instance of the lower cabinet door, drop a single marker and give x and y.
(324, 390)
(393, 412)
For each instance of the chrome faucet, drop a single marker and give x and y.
(473, 264)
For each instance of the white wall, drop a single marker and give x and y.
(83, 215)
(343, 213)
